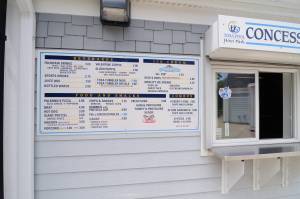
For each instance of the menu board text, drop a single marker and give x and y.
(99, 93)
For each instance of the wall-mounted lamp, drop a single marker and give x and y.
(115, 12)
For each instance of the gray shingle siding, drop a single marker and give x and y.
(154, 25)
(142, 46)
(191, 48)
(54, 17)
(53, 42)
(179, 36)
(42, 29)
(99, 44)
(71, 29)
(176, 49)
(40, 42)
(128, 46)
(163, 37)
(82, 20)
(137, 23)
(56, 29)
(160, 48)
(94, 31)
(72, 42)
(85, 32)
(138, 34)
(113, 33)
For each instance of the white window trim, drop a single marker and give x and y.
(215, 141)
(254, 70)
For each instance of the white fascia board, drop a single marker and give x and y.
(184, 11)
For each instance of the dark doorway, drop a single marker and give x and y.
(270, 105)
(2, 52)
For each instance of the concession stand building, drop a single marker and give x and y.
(151, 99)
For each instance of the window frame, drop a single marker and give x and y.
(255, 140)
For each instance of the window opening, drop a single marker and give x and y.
(275, 105)
(237, 108)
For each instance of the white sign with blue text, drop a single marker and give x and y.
(246, 33)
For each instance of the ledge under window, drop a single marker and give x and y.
(267, 160)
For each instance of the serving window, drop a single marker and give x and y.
(254, 106)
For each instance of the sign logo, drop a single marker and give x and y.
(149, 119)
(233, 27)
(225, 93)
(169, 68)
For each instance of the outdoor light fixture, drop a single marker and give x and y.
(115, 12)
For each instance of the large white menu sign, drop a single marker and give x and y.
(91, 92)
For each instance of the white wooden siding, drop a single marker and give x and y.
(123, 177)
(189, 189)
(112, 162)
(148, 168)
(59, 148)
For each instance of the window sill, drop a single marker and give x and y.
(241, 142)
(258, 151)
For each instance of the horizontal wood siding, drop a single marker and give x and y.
(127, 176)
(51, 165)
(167, 167)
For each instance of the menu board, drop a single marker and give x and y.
(90, 92)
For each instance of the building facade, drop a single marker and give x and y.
(162, 164)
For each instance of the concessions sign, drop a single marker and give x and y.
(245, 33)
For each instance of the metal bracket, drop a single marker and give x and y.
(232, 172)
(284, 163)
(264, 170)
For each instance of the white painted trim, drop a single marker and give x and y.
(208, 100)
(264, 170)
(233, 141)
(116, 136)
(284, 164)
(204, 151)
(255, 174)
(232, 172)
(271, 141)
(188, 11)
(297, 104)
(19, 102)
(257, 106)
(257, 65)
(244, 5)
(243, 68)
(25, 121)
(25, 6)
